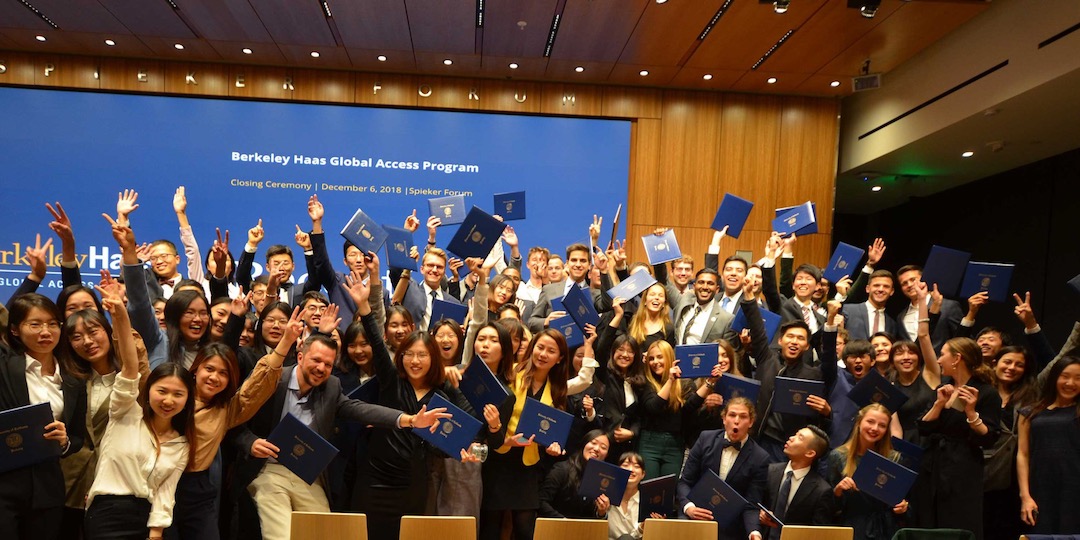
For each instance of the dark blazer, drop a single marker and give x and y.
(858, 325)
(416, 301)
(42, 483)
(294, 293)
(812, 504)
(543, 304)
(324, 276)
(747, 477)
(328, 403)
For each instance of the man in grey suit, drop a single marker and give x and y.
(700, 318)
(577, 270)
(313, 395)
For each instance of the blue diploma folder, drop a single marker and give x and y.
(796, 220)
(364, 233)
(768, 318)
(993, 278)
(733, 213)
(441, 309)
(579, 305)
(697, 360)
(632, 286)
(603, 478)
(570, 330)
(398, 244)
(367, 392)
(844, 262)
(874, 388)
(910, 453)
(23, 431)
(945, 267)
(449, 210)
(790, 395)
(809, 229)
(300, 449)
(714, 494)
(657, 495)
(550, 425)
(661, 249)
(478, 234)
(510, 206)
(883, 479)
(481, 387)
(454, 434)
(732, 386)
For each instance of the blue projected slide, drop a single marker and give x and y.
(242, 160)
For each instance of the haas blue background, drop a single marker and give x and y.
(82, 148)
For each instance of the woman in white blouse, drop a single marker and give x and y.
(622, 520)
(145, 448)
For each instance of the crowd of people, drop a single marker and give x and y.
(165, 386)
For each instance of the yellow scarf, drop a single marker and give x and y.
(531, 455)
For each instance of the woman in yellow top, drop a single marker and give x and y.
(513, 473)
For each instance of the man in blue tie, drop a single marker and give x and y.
(795, 492)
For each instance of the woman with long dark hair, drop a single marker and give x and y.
(145, 448)
(963, 421)
(1049, 441)
(559, 493)
(187, 326)
(871, 518)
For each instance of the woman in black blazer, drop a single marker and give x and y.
(32, 497)
(559, 493)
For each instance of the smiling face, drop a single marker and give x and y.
(315, 365)
(211, 378)
(596, 448)
(804, 285)
(555, 270)
(167, 397)
(754, 275)
(623, 357)
(655, 299)
(273, 327)
(682, 273)
(433, 268)
(881, 345)
(78, 301)
(794, 343)
(545, 354)
(822, 290)
(859, 366)
(734, 273)
(219, 315)
(909, 284)
(247, 337)
(194, 321)
(1010, 368)
(396, 330)
(906, 361)
(948, 360)
(311, 312)
(990, 343)
(159, 312)
(503, 292)
(164, 260)
(873, 428)
(879, 290)
(359, 351)
(656, 361)
(447, 340)
(39, 332)
(705, 287)
(1068, 384)
(90, 342)
(577, 265)
(416, 361)
(637, 472)
(723, 359)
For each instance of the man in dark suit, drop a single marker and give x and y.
(948, 322)
(314, 396)
(864, 319)
(577, 270)
(279, 259)
(738, 461)
(419, 296)
(700, 318)
(795, 491)
(775, 428)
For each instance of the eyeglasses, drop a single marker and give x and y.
(38, 326)
(434, 266)
(162, 257)
(409, 355)
(270, 321)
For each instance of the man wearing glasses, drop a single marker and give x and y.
(164, 261)
(420, 296)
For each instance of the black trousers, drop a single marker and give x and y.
(18, 521)
(195, 515)
(117, 517)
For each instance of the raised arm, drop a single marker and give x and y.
(123, 339)
(1040, 346)
(69, 263)
(931, 369)
(247, 257)
(187, 237)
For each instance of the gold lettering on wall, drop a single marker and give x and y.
(143, 76)
(375, 88)
(190, 79)
(240, 80)
(473, 94)
(424, 90)
(49, 68)
(288, 85)
(520, 98)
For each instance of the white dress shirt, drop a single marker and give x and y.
(697, 330)
(796, 481)
(45, 388)
(528, 291)
(870, 311)
(622, 522)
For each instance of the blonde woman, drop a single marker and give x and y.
(666, 402)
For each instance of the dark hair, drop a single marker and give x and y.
(355, 330)
(232, 382)
(230, 263)
(556, 379)
(278, 249)
(885, 335)
(858, 347)
(797, 323)
(1006, 339)
(65, 294)
(166, 243)
(1023, 391)
(495, 282)
(707, 270)
(820, 444)
(185, 283)
(508, 307)
(881, 273)
(576, 247)
(909, 268)
(735, 258)
(259, 343)
(456, 329)
(345, 249)
(740, 400)
(323, 339)
(1048, 389)
(808, 269)
(577, 459)
(175, 307)
(636, 372)
(76, 365)
(397, 310)
(184, 421)
(220, 300)
(904, 346)
(435, 374)
(507, 357)
(313, 296)
(19, 310)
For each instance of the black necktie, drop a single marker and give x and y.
(782, 498)
(689, 323)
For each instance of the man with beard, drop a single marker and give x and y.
(700, 318)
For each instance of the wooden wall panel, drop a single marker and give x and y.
(686, 150)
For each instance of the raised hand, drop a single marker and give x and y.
(412, 223)
(600, 261)
(976, 302)
(330, 319)
(241, 304)
(620, 254)
(617, 305)
(874, 252)
(429, 417)
(61, 225)
(371, 263)
(302, 238)
(594, 229)
(718, 236)
(510, 237)
(179, 201)
(111, 299)
(1023, 310)
(220, 253)
(936, 298)
(832, 308)
(433, 223)
(315, 209)
(455, 264)
(843, 287)
(295, 328)
(255, 235)
(108, 285)
(356, 287)
(36, 256)
(125, 204)
(142, 251)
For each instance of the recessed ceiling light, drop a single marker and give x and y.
(381, 58)
(643, 72)
(179, 46)
(875, 188)
(579, 69)
(834, 84)
(39, 38)
(661, 1)
(771, 80)
(314, 54)
(110, 42)
(707, 76)
(246, 50)
(969, 153)
(513, 65)
(448, 62)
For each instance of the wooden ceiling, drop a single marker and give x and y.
(612, 40)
